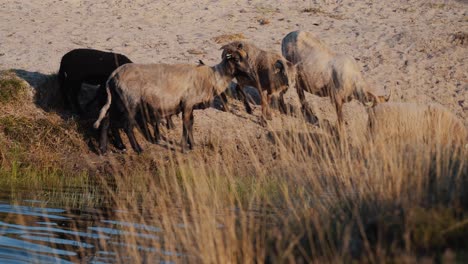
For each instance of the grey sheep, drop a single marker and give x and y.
(323, 72)
(272, 75)
(166, 90)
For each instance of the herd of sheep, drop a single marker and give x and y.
(130, 94)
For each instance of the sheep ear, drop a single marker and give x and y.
(279, 66)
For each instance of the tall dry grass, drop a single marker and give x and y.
(323, 201)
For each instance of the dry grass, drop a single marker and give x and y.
(318, 11)
(263, 21)
(225, 38)
(322, 200)
(334, 203)
(459, 38)
(12, 88)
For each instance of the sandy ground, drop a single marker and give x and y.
(406, 46)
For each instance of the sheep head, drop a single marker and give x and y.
(235, 54)
(286, 74)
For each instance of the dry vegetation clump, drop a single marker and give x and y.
(263, 21)
(12, 88)
(29, 136)
(323, 201)
(319, 11)
(225, 38)
(459, 38)
(41, 140)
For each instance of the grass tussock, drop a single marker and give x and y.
(319, 11)
(459, 38)
(30, 138)
(12, 88)
(41, 142)
(374, 204)
(225, 38)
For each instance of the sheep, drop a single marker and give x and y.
(273, 75)
(417, 123)
(82, 77)
(325, 73)
(86, 66)
(167, 90)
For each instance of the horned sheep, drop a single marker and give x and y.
(272, 76)
(166, 90)
(323, 72)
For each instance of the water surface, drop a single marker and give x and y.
(32, 231)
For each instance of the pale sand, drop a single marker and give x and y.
(407, 47)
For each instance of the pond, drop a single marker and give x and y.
(32, 231)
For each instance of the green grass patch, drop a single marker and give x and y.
(12, 88)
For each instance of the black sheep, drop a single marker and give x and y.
(82, 77)
(91, 68)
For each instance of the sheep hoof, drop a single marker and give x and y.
(186, 149)
(263, 121)
(311, 118)
(120, 146)
(225, 108)
(102, 152)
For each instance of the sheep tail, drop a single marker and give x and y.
(105, 108)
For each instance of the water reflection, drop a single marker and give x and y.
(54, 235)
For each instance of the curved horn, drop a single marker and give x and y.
(242, 53)
(387, 97)
(373, 100)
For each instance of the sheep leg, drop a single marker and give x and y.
(282, 105)
(266, 114)
(224, 101)
(118, 143)
(142, 118)
(187, 139)
(190, 131)
(71, 97)
(169, 123)
(243, 96)
(339, 111)
(143, 125)
(103, 140)
(157, 134)
(306, 111)
(130, 124)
